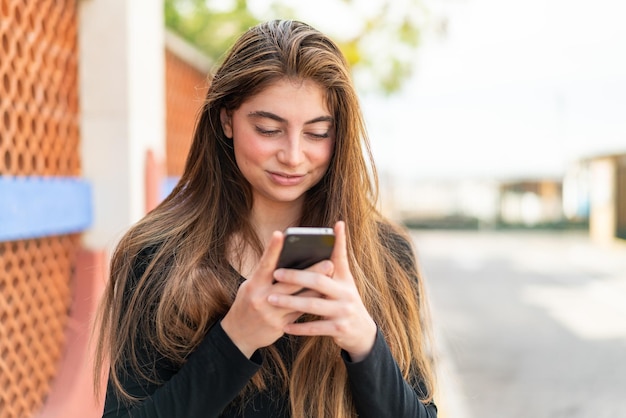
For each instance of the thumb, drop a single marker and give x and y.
(339, 256)
(267, 263)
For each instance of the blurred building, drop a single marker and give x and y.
(441, 203)
(590, 195)
(97, 107)
(475, 204)
(576, 191)
(601, 182)
(186, 81)
(531, 202)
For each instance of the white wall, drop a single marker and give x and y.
(122, 108)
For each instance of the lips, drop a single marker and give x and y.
(285, 179)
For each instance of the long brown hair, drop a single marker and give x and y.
(186, 283)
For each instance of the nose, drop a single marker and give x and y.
(291, 153)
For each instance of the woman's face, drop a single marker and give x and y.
(283, 139)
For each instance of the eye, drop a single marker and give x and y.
(267, 131)
(318, 136)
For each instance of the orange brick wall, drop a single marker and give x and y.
(39, 88)
(185, 91)
(39, 136)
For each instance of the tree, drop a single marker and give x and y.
(378, 37)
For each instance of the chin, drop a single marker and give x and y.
(287, 197)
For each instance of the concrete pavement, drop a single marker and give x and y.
(554, 293)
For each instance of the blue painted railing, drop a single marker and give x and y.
(32, 207)
(167, 185)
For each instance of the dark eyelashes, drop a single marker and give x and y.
(272, 132)
(320, 136)
(266, 131)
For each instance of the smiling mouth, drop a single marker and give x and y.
(285, 179)
(288, 176)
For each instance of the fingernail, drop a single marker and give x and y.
(272, 298)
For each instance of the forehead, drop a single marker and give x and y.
(288, 96)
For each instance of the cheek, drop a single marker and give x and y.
(325, 153)
(242, 154)
(245, 146)
(250, 152)
(256, 151)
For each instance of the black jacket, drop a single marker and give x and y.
(216, 372)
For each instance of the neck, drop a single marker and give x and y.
(267, 218)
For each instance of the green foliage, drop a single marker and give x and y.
(211, 31)
(381, 51)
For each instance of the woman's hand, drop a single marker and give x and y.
(252, 322)
(343, 315)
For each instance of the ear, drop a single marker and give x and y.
(227, 123)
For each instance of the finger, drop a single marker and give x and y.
(339, 256)
(311, 305)
(324, 267)
(294, 289)
(287, 288)
(267, 263)
(307, 279)
(311, 328)
(292, 317)
(308, 293)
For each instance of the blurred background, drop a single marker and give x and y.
(499, 134)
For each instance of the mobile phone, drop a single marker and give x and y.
(305, 246)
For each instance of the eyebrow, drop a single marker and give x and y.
(273, 116)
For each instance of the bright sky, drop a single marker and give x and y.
(515, 89)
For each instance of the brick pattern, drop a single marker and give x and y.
(185, 91)
(35, 296)
(39, 136)
(38, 88)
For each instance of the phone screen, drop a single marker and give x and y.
(305, 246)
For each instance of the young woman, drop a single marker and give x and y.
(196, 320)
